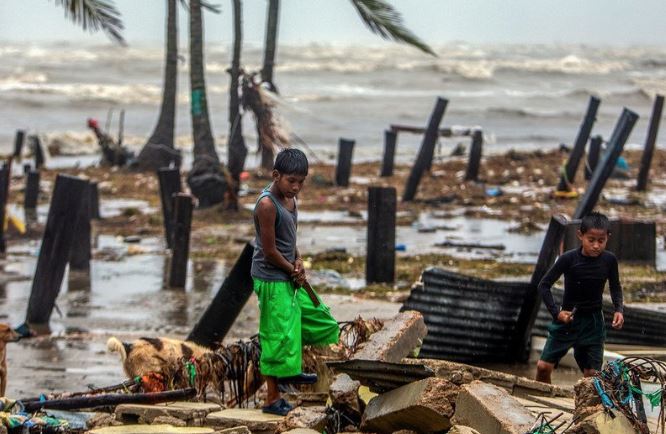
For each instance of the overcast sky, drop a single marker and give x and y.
(605, 22)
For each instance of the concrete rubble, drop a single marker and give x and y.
(396, 340)
(423, 406)
(304, 417)
(192, 413)
(253, 419)
(490, 409)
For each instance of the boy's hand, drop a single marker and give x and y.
(299, 272)
(565, 317)
(618, 320)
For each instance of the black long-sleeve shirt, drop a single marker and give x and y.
(584, 281)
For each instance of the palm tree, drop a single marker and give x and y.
(95, 15)
(236, 146)
(206, 179)
(159, 149)
(380, 17)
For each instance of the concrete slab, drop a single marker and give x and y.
(344, 393)
(304, 417)
(601, 423)
(253, 419)
(399, 337)
(423, 406)
(151, 429)
(461, 429)
(490, 409)
(302, 431)
(193, 413)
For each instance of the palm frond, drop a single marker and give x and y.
(215, 8)
(95, 15)
(385, 21)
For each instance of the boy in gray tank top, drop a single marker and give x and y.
(290, 317)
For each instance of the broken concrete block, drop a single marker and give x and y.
(151, 429)
(235, 430)
(422, 406)
(302, 431)
(253, 419)
(396, 340)
(168, 420)
(490, 409)
(344, 393)
(193, 413)
(304, 417)
(461, 429)
(586, 399)
(306, 399)
(601, 423)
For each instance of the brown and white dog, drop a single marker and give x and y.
(7, 334)
(147, 355)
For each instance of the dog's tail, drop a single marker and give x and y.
(116, 346)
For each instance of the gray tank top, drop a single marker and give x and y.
(285, 241)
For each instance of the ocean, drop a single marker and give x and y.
(523, 96)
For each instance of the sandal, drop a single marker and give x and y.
(279, 407)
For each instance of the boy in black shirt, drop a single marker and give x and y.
(580, 322)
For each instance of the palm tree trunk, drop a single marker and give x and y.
(159, 150)
(270, 47)
(237, 149)
(205, 179)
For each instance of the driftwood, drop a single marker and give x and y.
(109, 399)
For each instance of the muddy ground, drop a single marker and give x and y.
(124, 293)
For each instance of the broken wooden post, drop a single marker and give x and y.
(182, 223)
(650, 140)
(380, 252)
(474, 163)
(593, 154)
(37, 151)
(569, 171)
(79, 257)
(550, 249)
(55, 249)
(343, 169)
(221, 313)
(426, 152)
(31, 190)
(18, 144)
(94, 201)
(26, 169)
(390, 139)
(169, 185)
(4, 198)
(615, 145)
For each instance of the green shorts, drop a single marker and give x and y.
(288, 321)
(586, 334)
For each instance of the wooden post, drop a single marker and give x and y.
(31, 190)
(550, 249)
(55, 249)
(79, 258)
(426, 152)
(650, 140)
(26, 168)
(390, 139)
(94, 201)
(182, 213)
(38, 152)
(170, 184)
(221, 313)
(593, 154)
(474, 163)
(615, 145)
(18, 144)
(567, 178)
(343, 169)
(4, 198)
(380, 253)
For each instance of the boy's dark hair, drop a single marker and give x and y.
(291, 161)
(594, 220)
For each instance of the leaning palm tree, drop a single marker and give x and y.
(159, 150)
(380, 17)
(95, 15)
(206, 180)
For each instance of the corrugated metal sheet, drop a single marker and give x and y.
(469, 319)
(641, 326)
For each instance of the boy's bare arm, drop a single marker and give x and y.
(266, 215)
